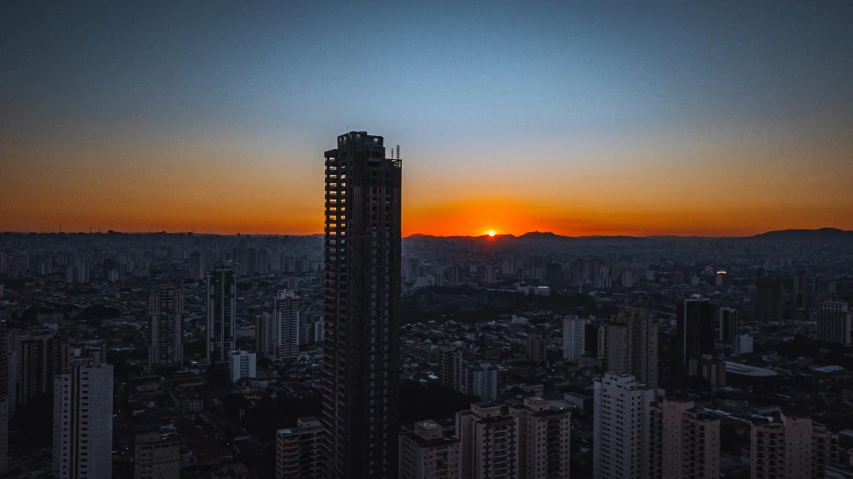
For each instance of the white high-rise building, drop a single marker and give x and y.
(573, 337)
(83, 421)
(286, 325)
(425, 453)
(621, 427)
(243, 364)
(488, 439)
(544, 437)
(481, 380)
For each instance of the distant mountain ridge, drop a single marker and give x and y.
(788, 234)
(802, 234)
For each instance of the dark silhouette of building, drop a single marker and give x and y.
(166, 308)
(694, 336)
(362, 303)
(769, 297)
(221, 300)
(37, 362)
(728, 324)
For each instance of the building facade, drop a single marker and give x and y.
(684, 442)
(834, 323)
(694, 336)
(535, 345)
(451, 371)
(83, 422)
(426, 453)
(481, 380)
(769, 300)
(299, 450)
(221, 306)
(573, 337)
(790, 447)
(36, 362)
(165, 310)
(362, 288)
(286, 325)
(544, 440)
(488, 438)
(242, 365)
(157, 456)
(727, 324)
(621, 427)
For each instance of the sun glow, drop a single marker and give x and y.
(491, 233)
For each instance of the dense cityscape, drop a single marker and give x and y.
(387, 239)
(358, 354)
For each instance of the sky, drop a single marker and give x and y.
(722, 118)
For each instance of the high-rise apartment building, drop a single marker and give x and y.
(544, 438)
(684, 442)
(221, 305)
(451, 370)
(728, 324)
(265, 335)
(694, 336)
(286, 325)
(769, 300)
(196, 266)
(618, 346)
(834, 323)
(362, 290)
(37, 361)
(535, 345)
(83, 421)
(481, 380)
(488, 438)
(791, 447)
(642, 330)
(299, 451)
(157, 456)
(573, 337)
(165, 309)
(426, 453)
(621, 427)
(242, 365)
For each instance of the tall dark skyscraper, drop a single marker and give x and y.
(694, 336)
(728, 324)
(362, 297)
(221, 313)
(166, 308)
(769, 300)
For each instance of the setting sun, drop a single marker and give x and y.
(491, 233)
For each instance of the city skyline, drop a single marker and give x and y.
(579, 119)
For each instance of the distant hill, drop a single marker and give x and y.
(822, 234)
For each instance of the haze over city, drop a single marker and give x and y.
(581, 118)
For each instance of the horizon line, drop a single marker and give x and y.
(484, 236)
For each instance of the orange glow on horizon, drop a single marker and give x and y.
(198, 186)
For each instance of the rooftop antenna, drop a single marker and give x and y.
(398, 152)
